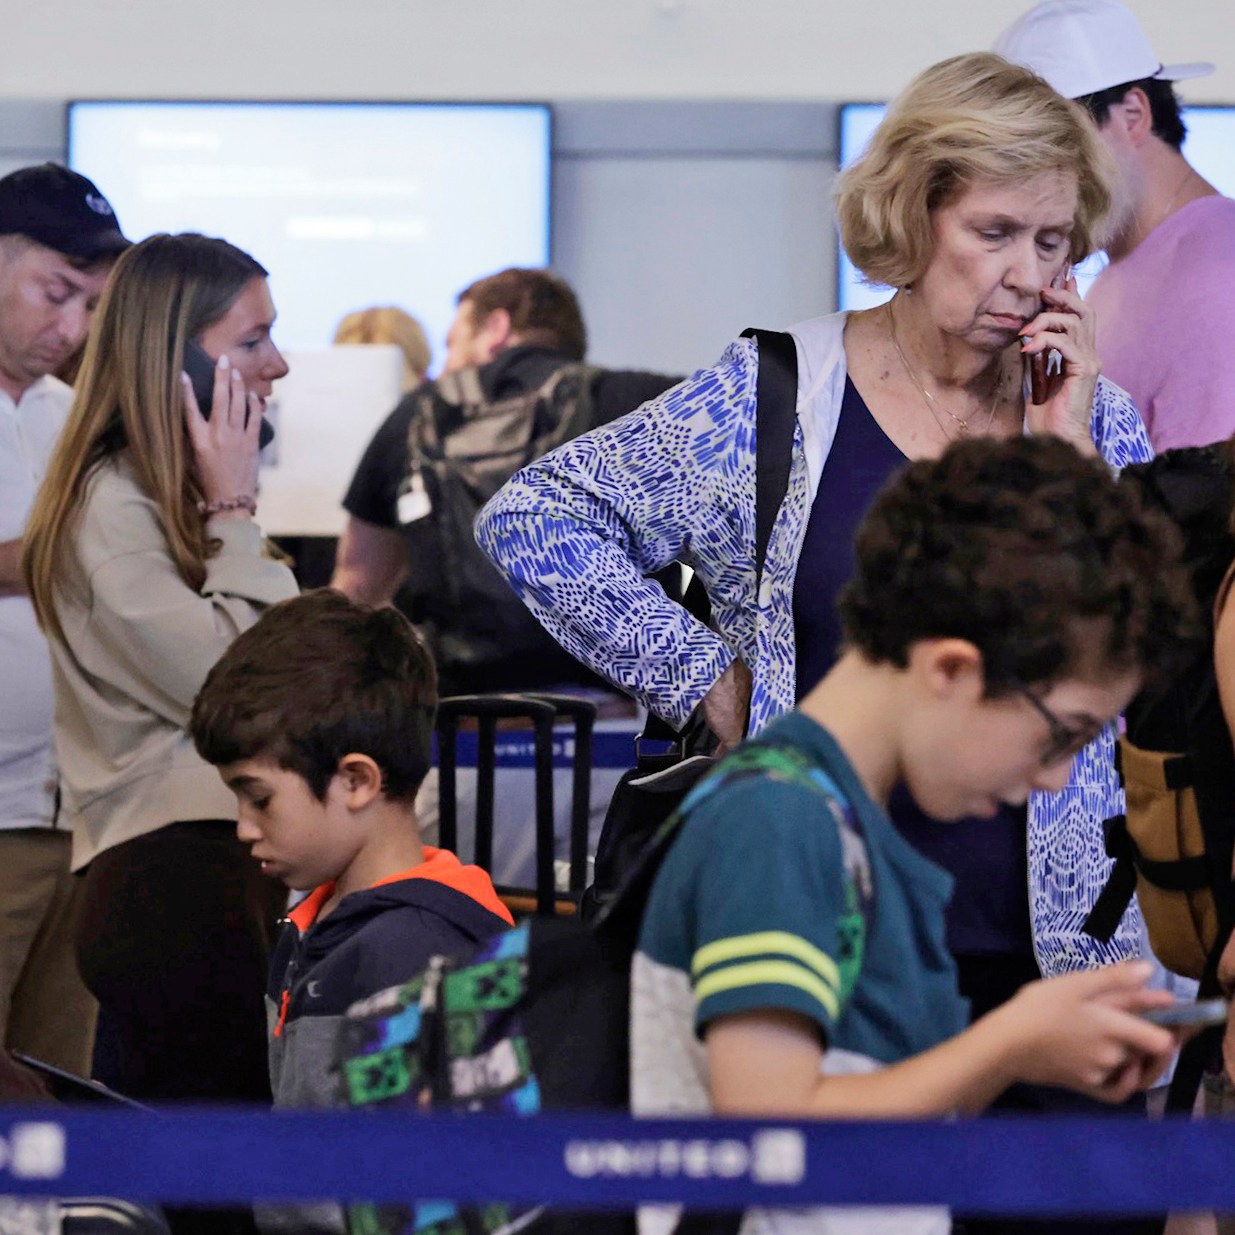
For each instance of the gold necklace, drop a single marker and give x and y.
(962, 423)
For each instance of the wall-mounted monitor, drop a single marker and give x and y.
(1210, 148)
(347, 204)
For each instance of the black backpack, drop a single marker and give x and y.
(462, 447)
(550, 1001)
(649, 792)
(1173, 846)
(536, 1019)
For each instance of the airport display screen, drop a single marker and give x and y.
(1210, 148)
(347, 205)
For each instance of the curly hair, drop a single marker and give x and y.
(970, 118)
(1035, 555)
(319, 677)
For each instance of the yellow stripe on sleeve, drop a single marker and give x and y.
(739, 947)
(772, 973)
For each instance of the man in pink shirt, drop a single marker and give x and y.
(1166, 303)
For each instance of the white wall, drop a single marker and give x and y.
(537, 49)
(695, 139)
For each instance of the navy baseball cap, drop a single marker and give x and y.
(60, 209)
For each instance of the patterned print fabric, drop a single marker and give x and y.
(577, 532)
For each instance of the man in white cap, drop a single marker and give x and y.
(58, 240)
(1166, 303)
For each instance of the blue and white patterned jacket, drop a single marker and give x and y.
(577, 531)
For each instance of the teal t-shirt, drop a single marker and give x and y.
(792, 890)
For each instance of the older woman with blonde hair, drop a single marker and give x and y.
(978, 192)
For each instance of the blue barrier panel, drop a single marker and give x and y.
(1039, 1166)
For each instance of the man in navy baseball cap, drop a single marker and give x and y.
(58, 240)
(62, 211)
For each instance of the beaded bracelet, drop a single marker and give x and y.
(220, 504)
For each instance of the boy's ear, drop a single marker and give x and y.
(948, 667)
(361, 779)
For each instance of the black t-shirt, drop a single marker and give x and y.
(374, 492)
(533, 660)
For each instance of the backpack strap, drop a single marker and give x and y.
(776, 402)
(776, 395)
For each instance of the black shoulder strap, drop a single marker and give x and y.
(776, 392)
(776, 398)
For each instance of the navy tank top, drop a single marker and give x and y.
(989, 911)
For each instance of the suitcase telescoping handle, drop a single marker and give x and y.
(542, 711)
(583, 713)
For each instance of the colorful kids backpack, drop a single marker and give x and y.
(536, 1019)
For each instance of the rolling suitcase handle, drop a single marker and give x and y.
(487, 711)
(583, 713)
(104, 1216)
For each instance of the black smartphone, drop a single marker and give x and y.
(71, 1089)
(200, 368)
(1044, 370)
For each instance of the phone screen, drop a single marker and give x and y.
(200, 368)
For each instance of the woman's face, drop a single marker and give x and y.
(996, 247)
(242, 334)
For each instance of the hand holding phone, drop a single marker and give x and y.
(1044, 370)
(200, 368)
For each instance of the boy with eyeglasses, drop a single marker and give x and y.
(1009, 600)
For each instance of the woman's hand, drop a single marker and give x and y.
(726, 707)
(1067, 326)
(226, 445)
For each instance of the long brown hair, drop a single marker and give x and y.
(161, 293)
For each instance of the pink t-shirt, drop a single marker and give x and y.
(1166, 320)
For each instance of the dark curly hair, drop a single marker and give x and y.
(1035, 555)
(317, 678)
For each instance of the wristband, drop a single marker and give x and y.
(242, 502)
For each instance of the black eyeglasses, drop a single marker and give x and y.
(1065, 741)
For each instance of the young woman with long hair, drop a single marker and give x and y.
(143, 561)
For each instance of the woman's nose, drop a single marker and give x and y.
(1025, 273)
(277, 367)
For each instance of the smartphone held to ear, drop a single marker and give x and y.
(1044, 370)
(1045, 373)
(200, 368)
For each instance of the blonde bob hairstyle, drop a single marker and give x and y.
(967, 119)
(389, 324)
(161, 293)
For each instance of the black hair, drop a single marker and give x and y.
(1164, 107)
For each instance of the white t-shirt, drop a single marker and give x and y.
(28, 430)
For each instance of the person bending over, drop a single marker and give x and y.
(1008, 600)
(320, 720)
